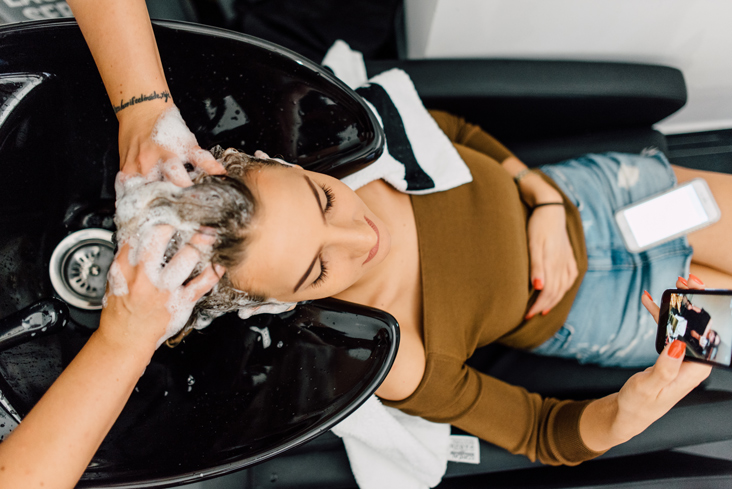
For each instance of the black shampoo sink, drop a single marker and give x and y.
(237, 392)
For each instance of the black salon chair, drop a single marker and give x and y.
(548, 111)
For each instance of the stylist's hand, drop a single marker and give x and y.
(147, 303)
(553, 266)
(650, 394)
(153, 137)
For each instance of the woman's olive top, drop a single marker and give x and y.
(475, 291)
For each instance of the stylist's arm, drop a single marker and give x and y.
(53, 445)
(152, 136)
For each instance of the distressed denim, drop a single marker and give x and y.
(607, 324)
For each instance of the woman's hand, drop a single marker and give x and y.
(155, 138)
(647, 395)
(553, 265)
(147, 302)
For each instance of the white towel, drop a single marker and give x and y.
(418, 157)
(387, 448)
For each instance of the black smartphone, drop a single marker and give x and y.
(700, 318)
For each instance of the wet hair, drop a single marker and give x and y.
(225, 205)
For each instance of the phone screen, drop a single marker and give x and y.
(702, 321)
(666, 215)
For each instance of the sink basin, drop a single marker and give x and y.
(238, 392)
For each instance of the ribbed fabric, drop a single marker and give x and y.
(475, 286)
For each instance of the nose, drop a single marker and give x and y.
(354, 238)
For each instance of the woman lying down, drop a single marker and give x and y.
(500, 259)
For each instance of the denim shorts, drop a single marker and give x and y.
(607, 324)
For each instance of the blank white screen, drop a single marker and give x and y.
(664, 216)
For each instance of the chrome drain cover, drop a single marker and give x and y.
(79, 266)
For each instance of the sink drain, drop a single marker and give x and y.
(79, 266)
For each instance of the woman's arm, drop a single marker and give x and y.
(646, 396)
(53, 445)
(122, 42)
(553, 265)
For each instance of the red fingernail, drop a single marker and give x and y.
(544, 313)
(695, 279)
(645, 293)
(677, 348)
(683, 281)
(538, 284)
(529, 316)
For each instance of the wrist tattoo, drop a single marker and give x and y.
(142, 98)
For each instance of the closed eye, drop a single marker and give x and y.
(329, 197)
(323, 274)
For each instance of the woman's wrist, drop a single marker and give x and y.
(534, 191)
(602, 426)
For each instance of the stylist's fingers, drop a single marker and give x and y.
(175, 172)
(184, 262)
(199, 286)
(205, 161)
(152, 246)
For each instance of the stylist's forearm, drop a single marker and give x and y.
(121, 40)
(53, 445)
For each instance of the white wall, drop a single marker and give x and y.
(692, 35)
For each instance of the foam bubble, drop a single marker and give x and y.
(172, 133)
(116, 281)
(138, 219)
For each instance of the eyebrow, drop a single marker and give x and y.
(316, 194)
(312, 264)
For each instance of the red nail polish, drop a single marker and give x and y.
(677, 348)
(538, 284)
(695, 279)
(645, 293)
(544, 313)
(683, 281)
(527, 317)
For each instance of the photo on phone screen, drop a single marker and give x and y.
(701, 320)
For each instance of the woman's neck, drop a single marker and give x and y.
(397, 277)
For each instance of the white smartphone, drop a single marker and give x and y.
(668, 215)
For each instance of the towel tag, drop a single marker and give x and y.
(464, 449)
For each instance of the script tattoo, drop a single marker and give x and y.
(142, 98)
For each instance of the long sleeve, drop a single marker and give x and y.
(475, 290)
(461, 132)
(508, 416)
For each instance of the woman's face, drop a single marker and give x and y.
(312, 236)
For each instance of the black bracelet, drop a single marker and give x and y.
(547, 203)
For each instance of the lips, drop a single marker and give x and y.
(375, 249)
